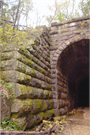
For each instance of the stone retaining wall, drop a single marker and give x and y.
(27, 67)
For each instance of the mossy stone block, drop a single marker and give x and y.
(15, 76)
(8, 76)
(20, 91)
(48, 113)
(50, 104)
(24, 51)
(49, 87)
(34, 93)
(39, 117)
(22, 78)
(40, 93)
(7, 55)
(20, 123)
(30, 71)
(44, 105)
(5, 108)
(9, 47)
(37, 105)
(36, 83)
(50, 94)
(16, 105)
(31, 120)
(46, 94)
(20, 66)
(21, 106)
(27, 105)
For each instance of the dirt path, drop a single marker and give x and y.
(79, 123)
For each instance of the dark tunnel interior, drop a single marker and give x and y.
(74, 65)
(83, 93)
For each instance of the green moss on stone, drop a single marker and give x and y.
(20, 123)
(21, 106)
(43, 71)
(4, 75)
(31, 120)
(39, 117)
(50, 94)
(37, 105)
(48, 113)
(16, 106)
(49, 86)
(34, 92)
(21, 91)
(30, 71)
(22, 78)
(24, 51)
(52, 112)
(15, 115)
(50, 104)
(44, 105)
(20, 66)
(46, 93)
(40, 93)
(27, 105)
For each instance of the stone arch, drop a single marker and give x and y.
(67, 43)
(65, 97)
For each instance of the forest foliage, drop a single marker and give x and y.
(13, 11)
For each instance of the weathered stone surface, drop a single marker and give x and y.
(8, 48)
(7, 55)
(5, 108)
(44, 105)
(49, 113)
(62, 111)
(16, 105)
(61, 103)
(50, 94)
(46, 93)
(20, 123)
(20, 91)
(15, 76)
(31, 120)
(34, 93)
(66, 102)
(21, 106)
(49, 104)
(30, 63)
(7, 65)
(63, 95)
(66, 109)
(55, 103)
(57, 112)
(36, 106)
(39, 117)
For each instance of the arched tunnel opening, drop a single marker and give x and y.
(73, 64)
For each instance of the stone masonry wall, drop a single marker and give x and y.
(62, 35)
(62, 93)
(27, 67)
(34, 70)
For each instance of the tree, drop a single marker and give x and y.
(68, 9)
(4, 10)
(84, 6)
(13, 10)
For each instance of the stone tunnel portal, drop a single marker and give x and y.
(73, 64)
